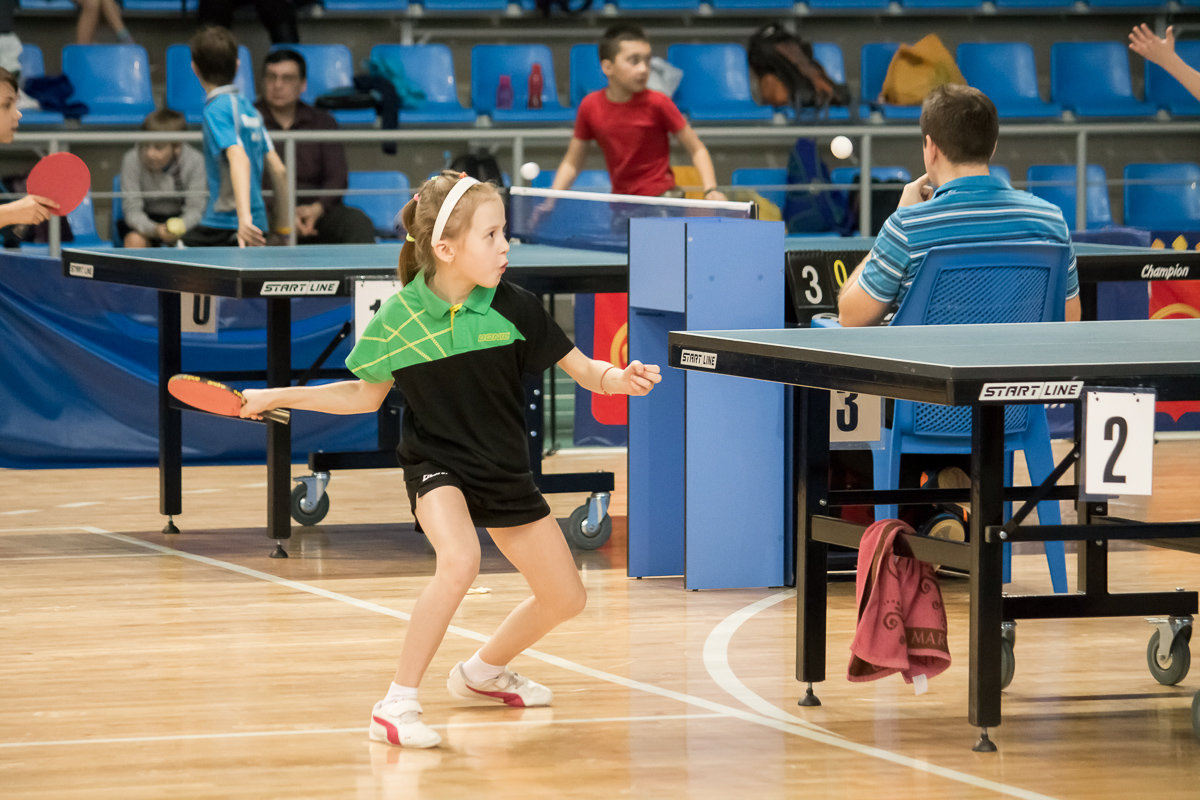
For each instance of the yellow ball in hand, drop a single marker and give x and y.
(176, 227)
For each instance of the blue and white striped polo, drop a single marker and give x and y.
(963, 211)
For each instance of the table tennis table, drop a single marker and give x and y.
(817, 266)
(950, 365)
(277, 275)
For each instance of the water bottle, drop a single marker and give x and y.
(504, 92)
(535, 86)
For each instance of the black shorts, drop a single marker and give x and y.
(202, 236)
(488, 507)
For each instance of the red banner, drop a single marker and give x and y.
(610, 342)
(1175, 300)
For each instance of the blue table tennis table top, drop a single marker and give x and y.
(950, 363)
(323, 269)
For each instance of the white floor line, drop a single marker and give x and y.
(18, 512)
(696, 702)
(79, 556)
(358, 729)
(80, 504)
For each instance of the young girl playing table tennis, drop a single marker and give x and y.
(457, 341)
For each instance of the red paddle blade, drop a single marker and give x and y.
(206, 395)
(63, 178)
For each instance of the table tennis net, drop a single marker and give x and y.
(598, 221)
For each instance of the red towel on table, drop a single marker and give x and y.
(901, 618)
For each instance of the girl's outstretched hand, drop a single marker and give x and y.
(637, 379)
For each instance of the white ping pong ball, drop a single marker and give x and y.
(530, 170)
(841, 147)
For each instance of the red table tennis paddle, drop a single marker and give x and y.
(216, 398)
(61, 177)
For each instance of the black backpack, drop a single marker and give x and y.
(774, 51)
(479, 164)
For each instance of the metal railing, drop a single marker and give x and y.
(516, 140)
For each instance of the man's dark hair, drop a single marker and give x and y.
(215, 53)
(962, 122)
(286, 54)
(10, 79)
(610, 42)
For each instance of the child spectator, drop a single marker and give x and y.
(163, 166)
(632, 125)
(236, 146)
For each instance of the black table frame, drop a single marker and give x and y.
(982, 555)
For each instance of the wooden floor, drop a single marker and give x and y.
(142, 665)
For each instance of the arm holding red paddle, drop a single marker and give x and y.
(30, 209)
(342, 397)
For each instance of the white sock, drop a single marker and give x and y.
(398, 692)
(479, 671)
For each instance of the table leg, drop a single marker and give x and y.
(170, 419)
(279, 437)
(812, 488)
(986, 607)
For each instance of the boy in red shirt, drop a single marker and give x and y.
(632, 125)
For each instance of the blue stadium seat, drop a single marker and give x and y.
(873, 66)
(1007, 73)
(1165, 92)
(1163, 197)
(588, 180)
(33, 65)
(113, 79)
(586, 76)
(716, 83)
(497, 6)
(82, 222)
(849, 5)
(330, 67)
(48, 5)
(364, 6)
(184, 92)
(1092, 79)
(763, 176)
(656, 5)
(490, 61)
(389, 191)
(159, 6)
(1056, 183)
(1127, 3)
(956, 5)
(1063, 4)
(431, 67)
(851, 175)
(741, 5)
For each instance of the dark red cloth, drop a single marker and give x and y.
(319, 165)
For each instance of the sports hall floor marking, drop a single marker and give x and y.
(726, 630)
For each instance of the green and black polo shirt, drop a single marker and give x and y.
(461, 371)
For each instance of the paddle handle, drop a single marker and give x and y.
(280, 415)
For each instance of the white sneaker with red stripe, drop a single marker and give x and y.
(398, 722)
(510, 688)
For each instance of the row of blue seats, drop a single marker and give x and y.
(517, 7)
(1156, 196)
(1088, 79)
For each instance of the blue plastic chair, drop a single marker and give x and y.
(1007, 73)
(1064, 4)
(586, 76)
(763, 176)
(716, 83)
(365, 6)
(183, 90)
(330, 67)
(431, 68)
(113, 79)
(656, 5)
(955, 5)
(490, 61)
(849, 5)
(33, 65)
(758, 5)
(1165, 92)
(47, 5)
(159, 6)
(443, 6)
(1163, 196)
(1092, 79)
(1056, 183)
(980, 284)
(381, 207)
(82, 221)
(875, 58)
(852, 174)
(588, 180)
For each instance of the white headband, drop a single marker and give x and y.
(452, 197)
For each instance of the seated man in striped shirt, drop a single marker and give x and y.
(956, 201)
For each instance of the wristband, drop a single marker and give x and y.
(603, 376)
(709, 190)
(284, 231)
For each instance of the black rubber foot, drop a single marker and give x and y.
(279, 552)
(984, 745)
(170, 526)
(809, 698)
